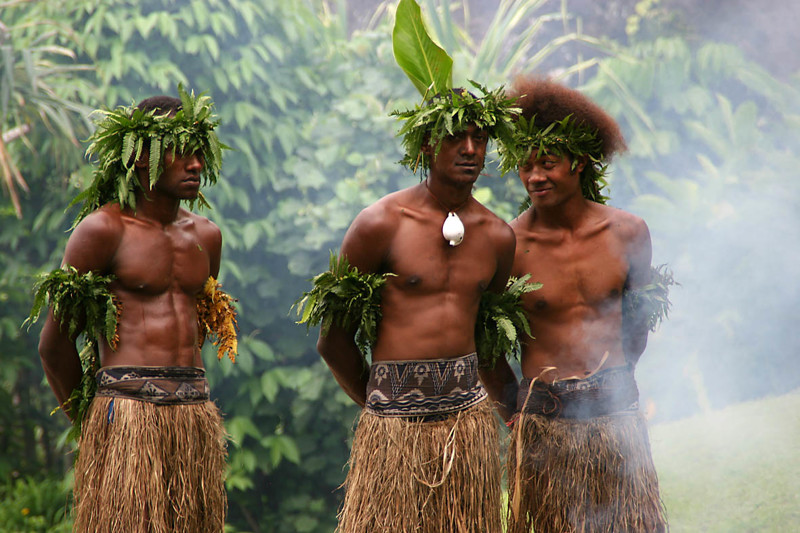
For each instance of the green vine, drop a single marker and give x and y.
(502, 320)
(344, 297)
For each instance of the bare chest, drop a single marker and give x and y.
(153, 260)
(582, 275)
(426, 263)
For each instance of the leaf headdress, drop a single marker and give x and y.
(445, 110)
(122, 135)
(566, 137)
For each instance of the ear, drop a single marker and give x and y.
(580, 164)
(426, 147)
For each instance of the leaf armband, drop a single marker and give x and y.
(651, 302)
(502, 321)
(344, 297)
(80, 300)
(216, 319)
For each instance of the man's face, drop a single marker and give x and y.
(549, 179)
(460, 156)
(181, 175)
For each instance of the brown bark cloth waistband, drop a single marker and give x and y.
(607, 392)
(426, 387)
(166, 385)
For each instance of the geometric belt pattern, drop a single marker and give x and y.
(612, 391)
(165, 385)
(424, 388)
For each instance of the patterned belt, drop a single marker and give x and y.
(425, 388)
(607, 392)
(162, 385)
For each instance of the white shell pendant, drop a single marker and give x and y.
(453, 229)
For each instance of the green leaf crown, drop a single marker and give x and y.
(122, 135)
(452, 112)
(566, 137)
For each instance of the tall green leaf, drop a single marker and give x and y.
(425, 63)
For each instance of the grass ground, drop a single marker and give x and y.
(736, 470)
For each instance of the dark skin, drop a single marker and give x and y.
(430, 307)
(586, 255)
(161, 256)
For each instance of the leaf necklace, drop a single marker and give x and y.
(453, 228)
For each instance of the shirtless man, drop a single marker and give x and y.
(586, 462)
(426, 437)
(152, 450)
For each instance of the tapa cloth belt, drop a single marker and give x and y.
(607, 392)
(165, 385)
(425, 387)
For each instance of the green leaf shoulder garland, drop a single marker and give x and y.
(344, 297)
(502, 321)
(652, 300)
(80, 299)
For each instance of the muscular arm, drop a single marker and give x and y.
(634, 325)
(364, 248)
(91, 247)
(500, 381)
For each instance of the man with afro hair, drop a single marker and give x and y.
(580, 458)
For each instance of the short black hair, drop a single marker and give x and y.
(162, 103)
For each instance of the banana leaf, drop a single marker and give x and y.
(426, 64)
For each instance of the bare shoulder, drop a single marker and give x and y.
(499, 230)
(367, 241)
(379, 220)
(104, 226)
(203, 224)
(629, 227)
(633, 233)
(95, 239)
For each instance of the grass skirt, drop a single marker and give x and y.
(152, 469)
(582, 476)
(439, 476)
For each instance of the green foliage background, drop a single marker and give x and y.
(304, 100)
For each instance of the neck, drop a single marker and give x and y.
(568, 215)
(154, 206)
(451, 197)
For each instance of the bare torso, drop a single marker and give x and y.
(429, 308)
(576, 317)
(159, 271)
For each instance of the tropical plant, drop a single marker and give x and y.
(28, 505)
(38, 89)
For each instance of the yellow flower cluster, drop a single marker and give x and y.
(216, 319)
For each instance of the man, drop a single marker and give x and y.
(151, 451)
(425, 453)
(580, 458)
